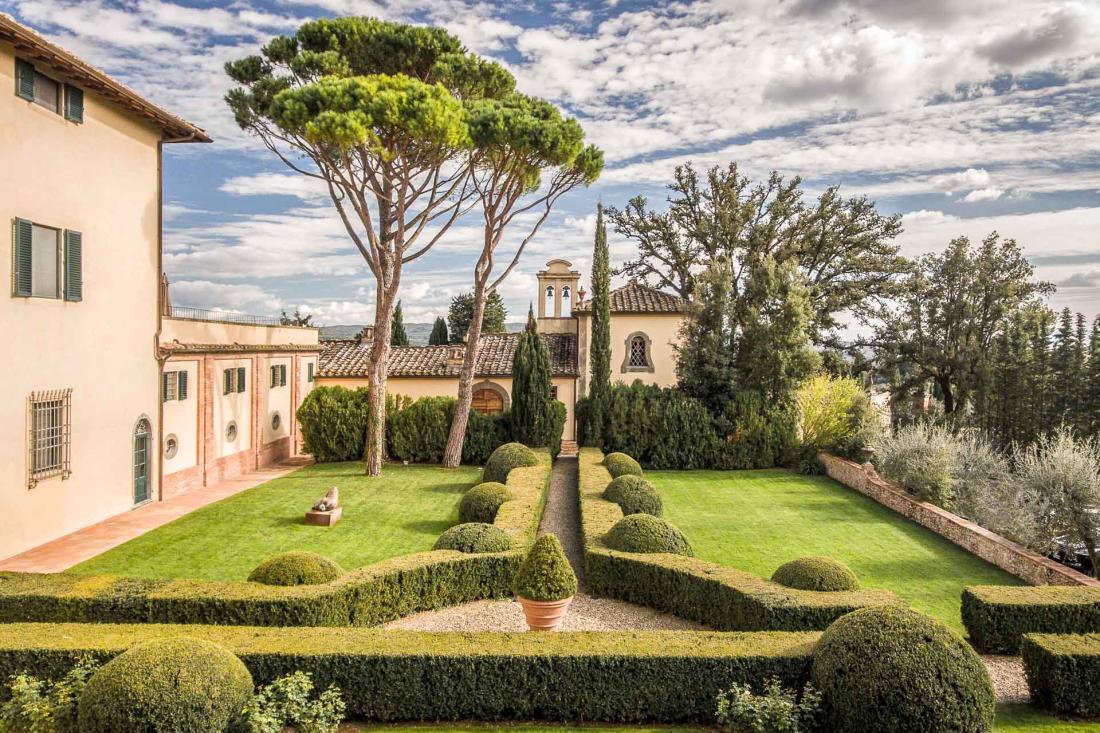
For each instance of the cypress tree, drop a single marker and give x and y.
(1063, 379)
(398, 337)
(531, 417)
(599, 388)
(439, 335)
(1093, 379)
(1079, 403)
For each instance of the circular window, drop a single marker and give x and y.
(276, 421)
(231, 432)
(171, 446)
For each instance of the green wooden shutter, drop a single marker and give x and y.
(24, 80)
(22, 256)
(227, 377)
(274, 376)
(182, 382)
(309, 372)
(74, 104)
(164, 387)
(74, 266)
(240, 379)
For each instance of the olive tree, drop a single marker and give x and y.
(519, 142)
(375, 111)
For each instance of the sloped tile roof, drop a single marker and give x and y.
(176, 347)
(349, 358)
(635, 297)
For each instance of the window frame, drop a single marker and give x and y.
(647, 346)
(69, 100)
(170, 386)
(39, 440)
(68, 286)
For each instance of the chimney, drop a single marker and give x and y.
(366, 335)
(456, 355)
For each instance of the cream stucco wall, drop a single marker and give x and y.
(181, 418)
(276, 399)
(187, 331)
(232, 407)
(417, 387)
(663, 331)
(99, 178)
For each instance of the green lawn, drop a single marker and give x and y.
(403, 511)
(1026, 719)
(757, 520)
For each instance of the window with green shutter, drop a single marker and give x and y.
(74, 266)
(182, 380)
(24, 80)
(74, 104)
(240, 379)
(309, 372)
(274, 376)
(227, 380)
(23, 257)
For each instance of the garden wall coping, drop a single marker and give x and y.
(1009, 556)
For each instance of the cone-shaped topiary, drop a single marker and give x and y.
(545, 574)
(620, 464)
(644, 533)
(816, 573)
(175, 685)
(505, 458)
(480, 504)
(296, 568)
(474, 537)
(634, 495)
(893, 670)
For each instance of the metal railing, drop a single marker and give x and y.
(203, 314)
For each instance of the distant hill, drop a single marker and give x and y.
(418, 332)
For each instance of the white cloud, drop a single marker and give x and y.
(276, 184)
(224, 296)
(983, 194)
(966, 180)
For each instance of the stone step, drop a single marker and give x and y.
(569, 448)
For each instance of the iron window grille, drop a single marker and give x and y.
(637, 352)
(50, 435)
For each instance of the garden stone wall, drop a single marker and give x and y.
(991, 547)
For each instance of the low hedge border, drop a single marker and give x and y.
(997, 616)
(627, 677)
(368, 596)
(1063, 672)
(721, 597)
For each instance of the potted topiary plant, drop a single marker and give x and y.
(545, 584)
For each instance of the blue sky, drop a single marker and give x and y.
(965, 116)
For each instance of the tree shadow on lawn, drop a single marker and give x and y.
(428, 526)
(455, 488)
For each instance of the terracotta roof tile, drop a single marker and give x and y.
(349, 358)
(637, 298)
(176, 347)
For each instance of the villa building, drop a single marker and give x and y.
(87, 412)
(645, 328)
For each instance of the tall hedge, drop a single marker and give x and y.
(531, 382)
(334, 423)
(417, 433)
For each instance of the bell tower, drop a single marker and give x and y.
(558, 295)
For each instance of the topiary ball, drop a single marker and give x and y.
(296, 568)
(620, 464)
(816, 573)
(175, 685)
(545, 574)
(634, 495)
(474, 537)
(645, 533)
(894, 670)
(505, 458)
(480, 504)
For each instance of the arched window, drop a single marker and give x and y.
(639, 355)
(141, 457)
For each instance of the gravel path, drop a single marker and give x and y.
(562, 516)
(1009, 680)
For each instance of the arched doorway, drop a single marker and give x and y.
(142, 435)
(488, 401)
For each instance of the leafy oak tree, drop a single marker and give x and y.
(528, 156)
(439, 335)
(599, 388)
(461, 313)
(374, 111)
(842, 248)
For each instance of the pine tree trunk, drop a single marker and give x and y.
(375, 449)
(452, 455)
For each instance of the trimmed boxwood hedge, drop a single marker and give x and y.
(622, 677)
(480, 504)
(367, 596)
(721, 597)
(474, 537)
(296, 568)
(816, 573)
(1063, 672)
(505, 459)
(620, 464)
(647, 534)
(634, 495)
(996, 616)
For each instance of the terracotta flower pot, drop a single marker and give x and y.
(544, 615)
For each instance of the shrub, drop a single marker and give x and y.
(480, 504)
(334, 423)
(474, 537)
(43, 706)
(894, 670)
(417, 431)
(545, 574)
(173, 685)
(996, 616)
(816, 573)
(776, 710)
(1063, 672)
(296, 568)
(755, 432)
(646, 534)
(634, 495)
(287, 701)
(835, 415)
(620, 464)
(662, 428)
(920, 458)
(663, 676)
(504, 459)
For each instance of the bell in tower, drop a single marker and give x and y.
(559, 294)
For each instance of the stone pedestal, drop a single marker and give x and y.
(317, 518)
